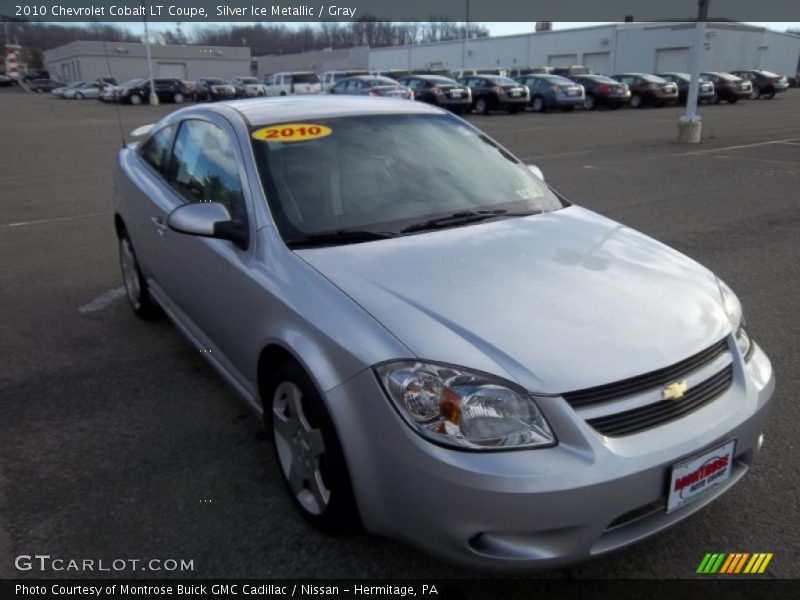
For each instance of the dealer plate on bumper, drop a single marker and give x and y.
(696, 476)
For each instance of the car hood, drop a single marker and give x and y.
(560, 301)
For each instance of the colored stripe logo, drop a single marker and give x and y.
(734, 562)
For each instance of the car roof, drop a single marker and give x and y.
(266, 111)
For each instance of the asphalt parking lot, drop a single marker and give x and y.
(117, 440)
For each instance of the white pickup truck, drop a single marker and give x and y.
(294, 82)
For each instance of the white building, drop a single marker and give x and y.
(615, 48)
(87, 61)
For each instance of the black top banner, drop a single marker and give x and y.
(202, 11)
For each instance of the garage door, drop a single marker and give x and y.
(168, 70)
(598, 62)
(562, 60)
(672, 59)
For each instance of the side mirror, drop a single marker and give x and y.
(536, 171)
(208, 219)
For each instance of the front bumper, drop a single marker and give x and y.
(542, 508)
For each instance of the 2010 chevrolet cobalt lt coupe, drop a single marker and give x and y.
(443, 347)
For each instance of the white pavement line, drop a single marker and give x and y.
(743, 146)
(24, 223)
(103, 300)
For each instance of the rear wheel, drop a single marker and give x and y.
(636, 101)
(78, 96)
(589, 103)
(135, 285)
(769, 94)
(136, 99)
(755, 94)
(715, 99)
(178, 98)
(309, 454)
(481, 106)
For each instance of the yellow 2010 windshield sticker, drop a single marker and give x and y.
(292, 132)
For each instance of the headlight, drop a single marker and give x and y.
(464, 409)
(733, 308)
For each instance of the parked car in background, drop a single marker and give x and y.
(371, 85)
(112, 93)
(331, 78)
(392, 73)
(727, 87)
(552, 91)
(294, 82)
(493, 92)
(167, 90)
(44, 85)
(440, 71)
(209, 89)
(647, 89)
(91, 89)
(520, 71)
(461, 73)
(705, 89)
(34, 74)
(441, 91)
(600, 90)
(60, 91)
(248, 87)
(568, 72)
(765, 83)
(6, 81)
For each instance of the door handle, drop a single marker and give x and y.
(161, 227)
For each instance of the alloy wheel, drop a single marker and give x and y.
(130, 273)
(588, 103)
(300, 449)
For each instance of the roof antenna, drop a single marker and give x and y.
(116, 104)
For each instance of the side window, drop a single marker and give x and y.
(204, 167)
(155, 150)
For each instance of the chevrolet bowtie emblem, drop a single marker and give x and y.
(675, 390)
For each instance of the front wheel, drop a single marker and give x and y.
(636, 101)
(78, 96)
(769, 94)
(755, 94)
(733, 100)
(178, 98)
(482, 106)
(589, 103)
(307, 447)
(715, 99)
(538, 104)
(136, 100)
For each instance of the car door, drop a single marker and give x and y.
(207, 280)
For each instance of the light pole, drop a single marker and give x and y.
(690, 125)
(153, 95)
(464, 40)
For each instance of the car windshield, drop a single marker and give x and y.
(305, 78)
(439, 80)
(502, 81)
(654, 79)
(371, 173)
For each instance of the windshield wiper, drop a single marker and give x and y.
(343, 236)
(465, 217)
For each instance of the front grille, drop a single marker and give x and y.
(657, 413)
(648, 381)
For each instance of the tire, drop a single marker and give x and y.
(78, 96)
(715, 99)
(768, 94)
(135, 285)
(307, 449)
(178, 98)
(481, 106)
(567, 108)
(755, 94)
(538, 105)
(589, 103)
(136, 99)
(636, 101)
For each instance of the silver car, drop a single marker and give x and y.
(442, 346)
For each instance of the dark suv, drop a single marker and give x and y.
(648, 89)
(493, 92)
(602, 91)
(210, 89)
(44, 85)
(765, 83)
(167, 90)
